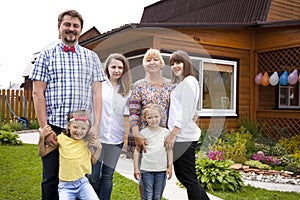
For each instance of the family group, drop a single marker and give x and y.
(80, 107)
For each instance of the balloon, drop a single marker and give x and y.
(257, 78)
(283, 80)
(293, 77)
(274, 79)
(264, 80)
(299, 78)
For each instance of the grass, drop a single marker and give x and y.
(252, 193)
(21, 168)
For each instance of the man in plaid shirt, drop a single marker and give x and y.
(66, 77)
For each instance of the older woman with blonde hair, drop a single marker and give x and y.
(154, 88)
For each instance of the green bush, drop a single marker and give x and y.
(15, 125)
(6, 128)
(257, 164)
(293, 167)
(292, 144)
(216, 175)
(234, 145)
(34, 124)
(9, 138)
(252, 126)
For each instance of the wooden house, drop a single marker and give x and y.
(230, 42)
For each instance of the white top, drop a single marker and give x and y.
(183, 105)
(114, 107)
(155, 159)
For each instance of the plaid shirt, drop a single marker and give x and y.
(69, 77)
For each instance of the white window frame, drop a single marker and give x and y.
(288, 106)
(230, 112)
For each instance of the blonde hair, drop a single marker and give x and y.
(153, 53)
(152, 106)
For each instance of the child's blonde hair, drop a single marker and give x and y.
(152, 106)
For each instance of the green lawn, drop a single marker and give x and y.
(20, 176)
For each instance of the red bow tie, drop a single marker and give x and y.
(72, 49)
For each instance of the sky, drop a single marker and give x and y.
(28, 26)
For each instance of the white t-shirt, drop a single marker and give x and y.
(183, 106)
(155, 159)
(114, 107)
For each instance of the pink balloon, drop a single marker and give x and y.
(257, 78)
(293, 77)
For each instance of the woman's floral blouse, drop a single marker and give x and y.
(144, 93)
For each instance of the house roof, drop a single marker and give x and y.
(213, 14)
(221, 11)
(206, 11)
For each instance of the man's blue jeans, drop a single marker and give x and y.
(103, 171)
(153, 183)
(79, 189)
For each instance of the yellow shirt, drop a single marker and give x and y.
(74, 158)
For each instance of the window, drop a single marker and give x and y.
(217, 81)
(219, 87)
(289, 96)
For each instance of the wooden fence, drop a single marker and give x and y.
(16, 104)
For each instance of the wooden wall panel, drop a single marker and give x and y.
(268, 39)
(266, 97)
(284, 10)
(222, 37)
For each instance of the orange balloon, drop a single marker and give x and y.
(299, 78)
(265, 79)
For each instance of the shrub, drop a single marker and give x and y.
(257, 164)
(34, 124)
(233, 145)
(269, 160)
(6, 128)
(253, 127)
(12, 126)
(293, 167)
(9, 138)
(216, 175)
(215, 155)
(292, 144)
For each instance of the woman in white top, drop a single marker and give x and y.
(115, 96)
(185, 133)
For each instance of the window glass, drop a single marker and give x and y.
(289, 96)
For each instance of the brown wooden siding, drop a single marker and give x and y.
(268, 39)
(266, 98)
(284, 10)
(280, 49)
(223, 43)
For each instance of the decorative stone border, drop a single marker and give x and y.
(271, 176)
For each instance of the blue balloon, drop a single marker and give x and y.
(283, 80)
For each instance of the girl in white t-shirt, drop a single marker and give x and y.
(154, 166)
(77, 150)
